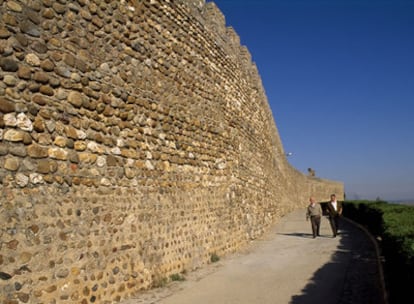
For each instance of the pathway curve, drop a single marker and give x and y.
(285, 266)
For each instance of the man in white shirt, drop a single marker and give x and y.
(334, 212)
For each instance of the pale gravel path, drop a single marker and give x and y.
(286, 266)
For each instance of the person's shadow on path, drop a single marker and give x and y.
(304, 235)
(348, 277)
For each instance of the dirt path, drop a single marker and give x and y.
(285, 266)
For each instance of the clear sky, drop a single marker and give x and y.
(339, 77)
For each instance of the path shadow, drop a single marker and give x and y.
(298, 234)
(351, 276)
(304, 235)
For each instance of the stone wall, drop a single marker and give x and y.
(136, 141)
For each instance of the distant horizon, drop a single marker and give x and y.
(396, 197)
(393, 201)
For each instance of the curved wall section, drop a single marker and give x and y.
(136, 141)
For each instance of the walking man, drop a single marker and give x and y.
(334, 212)
(314, 213)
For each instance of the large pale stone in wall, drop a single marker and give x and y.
(149, 165)
(14, 6)
(11, 164)
(32, 60)
(81, 134)
(22, 180)
(60, 141)
(80, 145)
(14, 135)
(100, 161)
(116, 151)
(24, 123)
(95, 147)
(10, 119)
(58, 153)
(87, 158)
(130, 173)
(36, 178)
(105, 182)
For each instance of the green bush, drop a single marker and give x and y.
(177, 277)
(214, 258)
(393, 224)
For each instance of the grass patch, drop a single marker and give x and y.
(177, 277)
(214, 258)
(160, 282)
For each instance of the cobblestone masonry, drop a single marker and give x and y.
(135, 141)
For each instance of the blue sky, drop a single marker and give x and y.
(339, 77)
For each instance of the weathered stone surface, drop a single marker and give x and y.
(32, 60)
(41, 77)
(130, 147)
(75, 98)
(6, 106)
(47, 90)
(60, 141)
(18, 150)
(24, 72)
(11, 163)
(10, 120)
(58, 153)
(14, 135)
(36, 178)
(9, 80)
(40, 100)
(29, 28)
(25, 257)
(23, 122)
(8, 65)
(14, 6)
(43, 166)
(22, 180)
(37, 151)
(47, 65)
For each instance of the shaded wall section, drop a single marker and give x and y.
(136, 141)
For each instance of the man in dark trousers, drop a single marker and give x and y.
(314, 213)
(334, 209)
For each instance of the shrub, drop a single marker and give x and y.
(394, 225)
(214, 258)
(177, 277)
